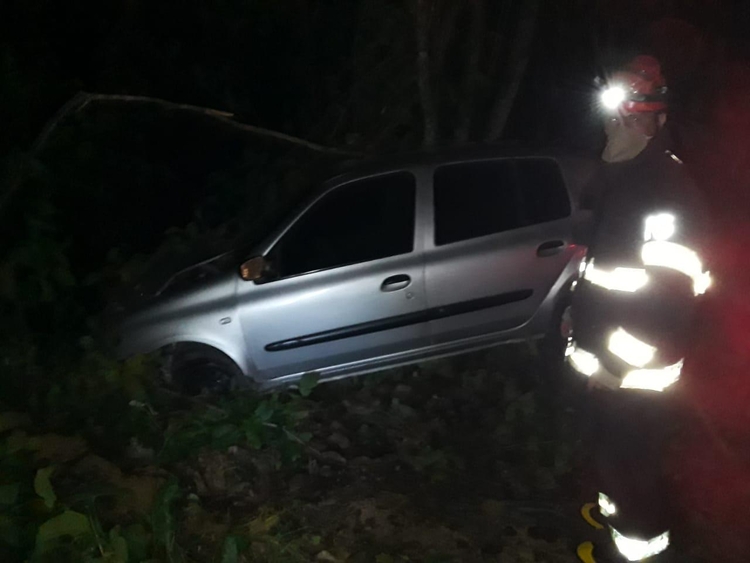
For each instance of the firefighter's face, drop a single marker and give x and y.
(628, 134)
(645, 123)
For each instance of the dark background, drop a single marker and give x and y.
(122, 187)
(340, 73)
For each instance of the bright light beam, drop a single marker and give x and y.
(612, 97)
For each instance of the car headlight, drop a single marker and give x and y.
(652, 379)
(627, 347)
(638, 550)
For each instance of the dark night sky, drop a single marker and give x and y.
(282, 65)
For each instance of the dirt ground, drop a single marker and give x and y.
(475, 458)
(470, 459)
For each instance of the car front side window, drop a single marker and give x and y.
(358, 222)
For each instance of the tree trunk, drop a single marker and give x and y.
(443, 35)
(468, 92)
(518, 61)
(429, 110)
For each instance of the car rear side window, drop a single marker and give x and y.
(360, 221)
(475, 199)
(543, 192)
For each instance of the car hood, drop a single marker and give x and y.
(167, 273)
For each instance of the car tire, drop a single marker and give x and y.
(197, 369)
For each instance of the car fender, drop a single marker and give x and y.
(233, 351)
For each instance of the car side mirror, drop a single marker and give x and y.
(253, 269)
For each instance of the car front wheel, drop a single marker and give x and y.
(199, 369)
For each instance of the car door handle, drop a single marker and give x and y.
(394, 283)
(550, 248)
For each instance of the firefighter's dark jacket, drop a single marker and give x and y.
(623, 194)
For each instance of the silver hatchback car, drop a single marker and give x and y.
(389, 265)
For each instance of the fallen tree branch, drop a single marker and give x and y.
(223, 116)
(82, 99)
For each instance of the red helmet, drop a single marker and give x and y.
(639, 88)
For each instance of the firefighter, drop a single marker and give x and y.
(628, 327)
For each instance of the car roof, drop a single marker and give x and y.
(354, 169)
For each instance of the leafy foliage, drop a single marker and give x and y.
(43, 486)
(307, 384)
(67, 524)
(245, 420)
(163, 522)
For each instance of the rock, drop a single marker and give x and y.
(11, 420)
(199, 522)
(493, 509)
(325, 556)
(215, 469)
(332, 458)
(400, 409)
(196, 478)
(139, 452)
(298, 483)
(312, 467)
(317, 445)
(326, 471)
(361, 410)
(138, 491)
(339, 440)
(402, 391)
(53, 448)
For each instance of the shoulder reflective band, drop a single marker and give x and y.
(618, 279)
(677, 257)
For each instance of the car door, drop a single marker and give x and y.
(347, 282)
(500, 238)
